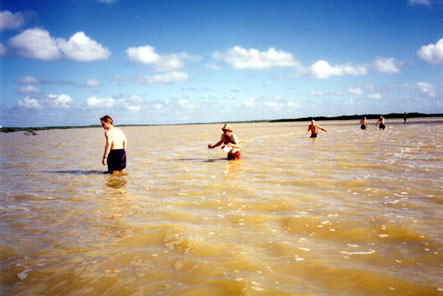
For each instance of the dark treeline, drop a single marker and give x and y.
(358, 117)
(32, 130)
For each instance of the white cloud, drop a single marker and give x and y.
(29, 103)
(9, 20)
(94, 102)
(35, 43)
(355, 91)
(419, 2)
(59, 101)
(28, 80)
(171, 77)
(322, 70)
(92, 83)
(131, 103)
(241, 58)
(143, 55)
(29, 90)
(49, 101)
(38, 44)
(374, 96)
(432, 53)
(427, 89)
(387, 65)
(82, 48)
(161, 63)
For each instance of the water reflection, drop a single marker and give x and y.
(117, 182)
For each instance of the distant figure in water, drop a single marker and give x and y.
(380, 123)
(115, 148)
(404, 117)
(229, 142)
(363, 123)
(314, 127)
(31, 132)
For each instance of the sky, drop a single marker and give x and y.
(69, 62)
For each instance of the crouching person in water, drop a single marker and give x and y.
(229, 142)
(115, 148)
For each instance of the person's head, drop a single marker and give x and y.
(312, 121)
(106, 121)
(226, 128)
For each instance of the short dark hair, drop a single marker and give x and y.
(107, 118)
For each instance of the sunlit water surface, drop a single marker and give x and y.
(353, 212)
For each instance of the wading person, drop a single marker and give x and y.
(363, 123)
(380, 123)
(115, 148)
(313, 128)
(229, 142)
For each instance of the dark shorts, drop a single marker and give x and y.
(314, 135)
(116, 160)
(234, 156)
(381, 126)
(363, 126)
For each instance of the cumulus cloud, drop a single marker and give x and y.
(170, 77)
(427, 89)
(322, 70)
(29, 103)
(49, 101)
(374, 96)
(432, 53)
(315, 93)
(162, 63)
(59, 101)
(82, 48)
(29, 90)
(355, 91)
(387, 65)
(241, 58)
(94, 102)
(9, 20)
(38, 44)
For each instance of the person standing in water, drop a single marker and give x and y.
(115, 148)
(314, 127)
(380, 123)
(405, 117)
(229, 142)
(363, 123)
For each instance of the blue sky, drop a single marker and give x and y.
(68, 62)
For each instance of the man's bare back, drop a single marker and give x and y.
(115, 148)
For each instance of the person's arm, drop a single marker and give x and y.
(216, 145)
(323, 129)
(107, 147)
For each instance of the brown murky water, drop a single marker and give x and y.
(350, 213)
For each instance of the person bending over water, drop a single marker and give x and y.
(115, 148)
(314, 127)
(363, 123)
(380, 123)
(229, 142)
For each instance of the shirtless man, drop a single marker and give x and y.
(363, 123)
(314, 127)
(115, 148)
(380, 123)
(229, 142)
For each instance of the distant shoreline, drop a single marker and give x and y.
(318, 118)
